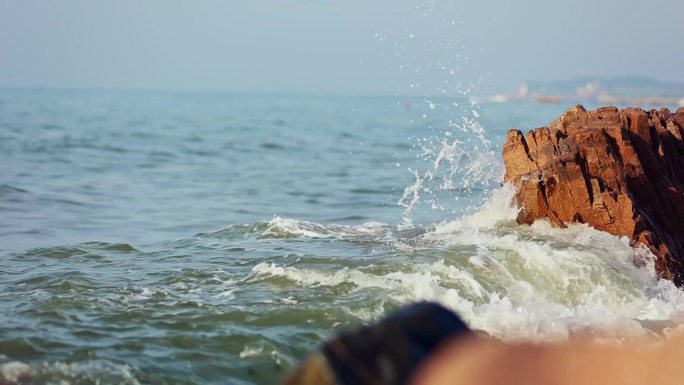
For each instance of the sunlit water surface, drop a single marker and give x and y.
(188, 238)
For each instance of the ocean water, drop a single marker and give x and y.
(207, 238)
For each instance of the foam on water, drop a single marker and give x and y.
(497, 209)
(86, 372)
(293, 227)
(522, 282)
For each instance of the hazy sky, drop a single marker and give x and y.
(343, 46)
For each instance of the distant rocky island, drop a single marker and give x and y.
(634, 91)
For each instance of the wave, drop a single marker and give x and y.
(279, 227)
(513, 282)
(284, 226)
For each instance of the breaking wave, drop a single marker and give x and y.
(513, 282)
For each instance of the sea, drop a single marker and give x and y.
(154, 237)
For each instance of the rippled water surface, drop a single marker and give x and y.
(189, 238)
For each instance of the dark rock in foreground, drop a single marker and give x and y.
(620, 171)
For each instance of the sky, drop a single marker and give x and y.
(335, 46)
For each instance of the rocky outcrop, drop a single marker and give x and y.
(620, 171)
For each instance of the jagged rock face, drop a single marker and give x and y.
(619, 171)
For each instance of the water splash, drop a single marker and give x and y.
(411, 196)
(513, 282)
(456, 157)
(454, 162)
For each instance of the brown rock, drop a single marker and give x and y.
(620, 171)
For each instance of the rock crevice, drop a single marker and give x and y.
(620, 171)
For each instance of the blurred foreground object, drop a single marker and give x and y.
(385, 353)
(425, 344)
(478, 361)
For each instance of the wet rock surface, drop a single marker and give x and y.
(620, 171)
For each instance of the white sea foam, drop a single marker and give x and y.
(251, 351)
(67, 373)
(146, 292)
(498, 208)
(521, 282)
(293, 227)
(13, 371)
